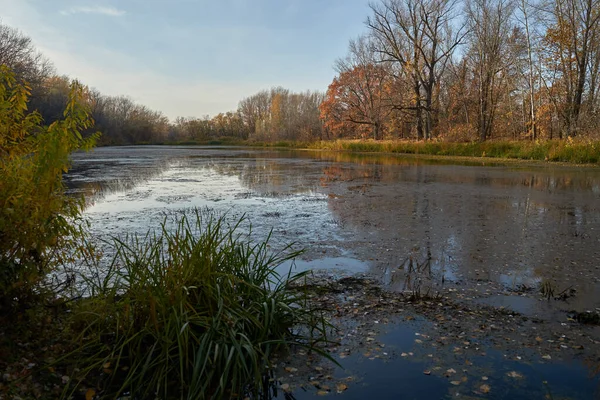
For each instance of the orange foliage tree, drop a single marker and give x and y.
(358, 102)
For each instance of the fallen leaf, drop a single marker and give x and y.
(547, 357)
(285, 387)
(322, 393)
(455, 383)
(89, 395)
(514, 374)
(485, 388)
(291, 369)
(341, 387)
(427, 372)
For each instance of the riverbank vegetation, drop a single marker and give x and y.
(195, 310)
(574, 151)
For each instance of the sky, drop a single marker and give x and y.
(191, 57)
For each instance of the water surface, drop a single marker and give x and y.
(486, 234)
(490, 228)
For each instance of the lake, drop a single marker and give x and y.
(481, 232)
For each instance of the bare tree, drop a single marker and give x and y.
(574, 34)
(416, 36)
(490, 27)
(19, 54)
(524, 8)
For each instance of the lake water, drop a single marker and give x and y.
(483, 232)
(511, 227)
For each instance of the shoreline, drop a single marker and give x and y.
(554, 152)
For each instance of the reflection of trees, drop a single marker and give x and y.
(98, 178)
(508, 226)
(271, 176)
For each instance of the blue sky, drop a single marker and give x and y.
(191, 57)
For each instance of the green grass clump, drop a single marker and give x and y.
(194, 311)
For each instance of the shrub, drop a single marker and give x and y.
(36, 228)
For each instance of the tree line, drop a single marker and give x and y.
(424, 69)
(276, 114)
(472, 70)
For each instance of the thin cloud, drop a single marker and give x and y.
(108, 11)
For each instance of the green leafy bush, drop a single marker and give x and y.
(36, 216)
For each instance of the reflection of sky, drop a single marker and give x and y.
(174, 189)
(297, 214)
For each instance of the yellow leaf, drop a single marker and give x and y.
(341, 387)
(89, 395)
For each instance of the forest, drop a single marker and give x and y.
(438, 70)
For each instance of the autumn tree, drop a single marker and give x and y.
(254, 110)
(279, 114)
(361, 95)
(572, 40)
(37, 232)
(417, 37)
(526, 20)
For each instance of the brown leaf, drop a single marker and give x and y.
(485, 388)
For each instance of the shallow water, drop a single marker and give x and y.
(487, 234)
(400, 374)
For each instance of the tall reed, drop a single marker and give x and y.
(194, 311)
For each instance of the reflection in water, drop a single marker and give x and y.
(513, 226)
